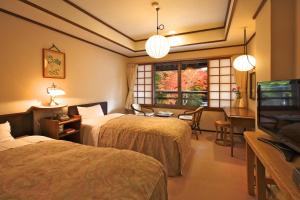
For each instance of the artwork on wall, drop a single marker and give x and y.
(54, 63)
(252, 86)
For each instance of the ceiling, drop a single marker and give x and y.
(123, 26)
(201, 14)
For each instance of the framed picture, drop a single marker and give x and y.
(252, 85)
(54, 64)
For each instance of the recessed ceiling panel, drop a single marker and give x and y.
(137, 18)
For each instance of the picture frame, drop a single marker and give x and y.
(252, 84)
(54, 64)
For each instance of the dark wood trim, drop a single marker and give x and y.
(227, 13)
(251, 38)
(59, 31)
(221, 47)
(260, 7)
(230, 18)
(74, 23)
(97, 19)
(139, 40)
(186, 33)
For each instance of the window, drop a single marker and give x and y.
(221, 83)
(181, 83)
(143, 85)
(186, 83)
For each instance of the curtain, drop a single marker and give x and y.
(241, 82)
(131, 77)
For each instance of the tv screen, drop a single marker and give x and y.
(279, 111)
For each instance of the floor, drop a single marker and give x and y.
(210, 173)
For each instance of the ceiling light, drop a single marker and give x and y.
(157, 46)
(244, 62)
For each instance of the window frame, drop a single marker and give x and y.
(208, 107)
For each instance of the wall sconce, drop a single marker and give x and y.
(53, 92)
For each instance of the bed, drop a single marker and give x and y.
(165, 139)
(36, 167)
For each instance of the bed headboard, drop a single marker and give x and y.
(72, 110)
(21, 123)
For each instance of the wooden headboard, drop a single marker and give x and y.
(72, 110)
(21, 123)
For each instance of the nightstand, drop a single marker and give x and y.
(65, 130)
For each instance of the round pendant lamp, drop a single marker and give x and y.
(157, 46)
(244, 62)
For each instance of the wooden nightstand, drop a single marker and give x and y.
(65, 130)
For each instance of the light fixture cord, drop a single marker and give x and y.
(158, 27)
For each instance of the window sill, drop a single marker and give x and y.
(181, 107)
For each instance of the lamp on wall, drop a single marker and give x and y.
(157, 46)
(53, 92)
(244, 62)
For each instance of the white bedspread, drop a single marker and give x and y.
(90, 128)
(22, 141)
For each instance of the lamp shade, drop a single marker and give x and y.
(55, 92)
(157, 46)
(244, 63)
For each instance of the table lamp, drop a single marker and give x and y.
(54, 91)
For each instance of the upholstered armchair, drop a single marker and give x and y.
(138, 110)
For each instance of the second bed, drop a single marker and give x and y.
(165, 139)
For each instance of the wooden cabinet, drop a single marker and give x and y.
(66, 130)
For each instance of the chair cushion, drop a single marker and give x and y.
(186, 117)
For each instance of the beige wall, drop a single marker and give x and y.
(92, 74)
(251, 51)
(282, 39)
(297, 51)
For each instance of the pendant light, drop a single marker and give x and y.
(157, 46)
(244, 62)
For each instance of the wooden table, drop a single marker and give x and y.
(262, 157)
(241, 118)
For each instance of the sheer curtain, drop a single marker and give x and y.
(241, 82)
(131, 77)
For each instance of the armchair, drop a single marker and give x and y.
(137, 109)
(194, 117)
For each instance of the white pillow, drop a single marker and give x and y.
(5, 132)
(90, 112)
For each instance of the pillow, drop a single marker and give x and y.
(5, 132)
(90, 112)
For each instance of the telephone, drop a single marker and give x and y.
(63, 117)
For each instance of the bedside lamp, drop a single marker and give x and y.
(54, 91)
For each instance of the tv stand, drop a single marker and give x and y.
(288, 153)
(262, 157)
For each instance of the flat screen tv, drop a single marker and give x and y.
(278, 112)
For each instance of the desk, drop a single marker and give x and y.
(239, 117)
(262, 157)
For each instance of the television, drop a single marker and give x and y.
(278, 113)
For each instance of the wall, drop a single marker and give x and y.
(92, 74)
(297, 35)
(208, 117)
(282, 39)
(252, 51)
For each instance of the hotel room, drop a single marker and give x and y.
(150, 100)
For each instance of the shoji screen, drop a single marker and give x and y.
(143, 85)
(221, 83)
